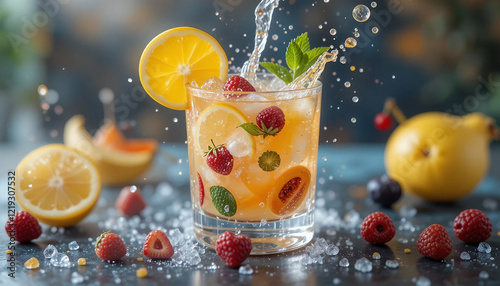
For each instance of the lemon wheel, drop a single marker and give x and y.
(176, 57)
(57, 184)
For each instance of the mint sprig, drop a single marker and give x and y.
(299, 58)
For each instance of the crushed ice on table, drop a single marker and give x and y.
(49, 251)
(423, 281)
(484, 247)
(76, 278)
(407, 211)
(363, 265)
(344, 262)
(484, 275)
(490, 204)
(392, 264)
(315, 252)
(465, 255)
(406, 225)
(336, 281)
(73, 245)
(60, 260)
(245, 270)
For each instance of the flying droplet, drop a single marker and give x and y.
(333, 32)
(274, 37)
(355, 99)
(361, 70)
(320, 26)
(361, 13)
(374, 30)
(42, 90)
(373, 4)
(343, 60)
(347, 84)
(129, 79)
(353, 120)
(356, 34)
(350, 42)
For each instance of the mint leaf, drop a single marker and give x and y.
(252, 129)
(313, 55)
(303, 42)
(279, 71)
(293, 56)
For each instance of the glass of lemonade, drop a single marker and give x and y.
(271, 205)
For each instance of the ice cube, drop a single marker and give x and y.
(465, 255)
(60, 260)
(392, 264)
(213, 84)
(175, 236)
(76, 278)
(73, 245)
(208, 175)
(484, 247)
(49, 251)
(423, 281)
(321, 244)
(332, 250)
(237, 144)
(245, 270)
(363, 265)
(344, 262)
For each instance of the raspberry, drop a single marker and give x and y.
(110, 246)
(377, 228)
(434, 242)
(237, 83)
(24, 227)
(233, 249)
(219, 159)
(271, 120)
(472, 226)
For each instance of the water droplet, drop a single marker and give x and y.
(320, 26)
(350, 42)
(274, 37)
(166, 128)
(347, 84)
(355, 99)
(333, 32)
(129, 79)
(361, 13)
(353, 120)
(373, 4)
(361, 70)
(175, 120)
(393, 76)
(343, 60)
(326, 1)
(290, 27)
(356, 34)
(375, 30)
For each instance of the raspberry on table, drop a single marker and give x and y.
(377, 228)
(233, 249)
(472, 226)
(24, 227)
(434, 242)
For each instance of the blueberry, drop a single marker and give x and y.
(384, 190)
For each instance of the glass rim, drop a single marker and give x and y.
(317, 87)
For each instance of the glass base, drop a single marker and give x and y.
(275, 236)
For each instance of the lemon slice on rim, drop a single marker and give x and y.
(57, 184)
(176, 57)
(219, 122)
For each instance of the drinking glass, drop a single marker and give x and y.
(272, 207)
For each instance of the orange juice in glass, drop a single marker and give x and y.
(268, 195)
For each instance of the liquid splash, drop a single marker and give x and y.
(310, 77)
(263, 15)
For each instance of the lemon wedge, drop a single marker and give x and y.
(176, 57)
(57, 184)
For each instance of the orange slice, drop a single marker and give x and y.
(57, 184)
(176, 57)
(110, 136)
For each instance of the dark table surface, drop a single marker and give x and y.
(341, 205)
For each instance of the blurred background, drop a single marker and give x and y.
(429, 55)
